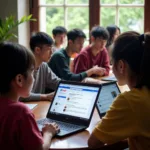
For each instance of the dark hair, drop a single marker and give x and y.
(39, 39)
(112, 30)
(75, 33)
(59, 30)
(135, 50)
(99, 32)
(14, 59)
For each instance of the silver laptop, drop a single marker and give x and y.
(107, 95)
(72, 106)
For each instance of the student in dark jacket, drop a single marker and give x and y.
(60, 60)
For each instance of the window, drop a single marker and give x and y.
(127, 14)
(68, 13)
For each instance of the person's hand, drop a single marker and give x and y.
(91, 80)
(47, 97)
(50, 96)
(51, 128)
(99, 70)
(96, 71)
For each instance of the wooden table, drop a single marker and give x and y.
(77, 140)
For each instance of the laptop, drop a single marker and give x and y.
(108, 93)
(111, 78)
(72, 107)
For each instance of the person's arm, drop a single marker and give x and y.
(38, 97)
(118, 124)
(106, 63)
(47, 97)
(29, 135)
(63, 69)
(80, 64)
(49, 130)
(51, 78)
(32, 97)
(92, 80)
(93, 142)
(95, 70)
(46, 79)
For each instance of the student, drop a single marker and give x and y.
(41, 46)
(60, 60)
(95, 54)
(59, 35)
(129, 115)
(18, 128)
(114, 32)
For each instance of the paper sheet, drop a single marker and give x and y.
(31, 106)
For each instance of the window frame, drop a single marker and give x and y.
(94, 17)
(64, 6)
(119, 5)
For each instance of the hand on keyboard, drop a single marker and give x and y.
(51, 128)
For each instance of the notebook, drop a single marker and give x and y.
(31, 106)
(108, 93)
(72, 106)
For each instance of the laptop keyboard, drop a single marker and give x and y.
(62, 125)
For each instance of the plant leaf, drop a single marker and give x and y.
(9, 24)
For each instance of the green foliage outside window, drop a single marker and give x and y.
(54, 17)
(132, 1)
(108, 1)
(67, 1)
(78, 17)
(122, 1)
(129, 18)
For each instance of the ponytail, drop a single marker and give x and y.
(144, 77)
(135, 50)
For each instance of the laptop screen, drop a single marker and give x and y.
(107, 95)
(74, 100)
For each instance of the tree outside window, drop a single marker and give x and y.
(127, 14)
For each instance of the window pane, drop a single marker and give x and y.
(131, 1)
(107, 16)
(131, 19)
(54, 17)
(77, 1)
(78, 18)
(51, 1)
(108, 1)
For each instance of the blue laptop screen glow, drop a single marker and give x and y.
(74, 100)
(106, 97)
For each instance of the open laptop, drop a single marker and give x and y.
(111, 78)
(108, 93)
(72, 106)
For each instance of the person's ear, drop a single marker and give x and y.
(121, 66)
(19, 80)
(37, 50)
